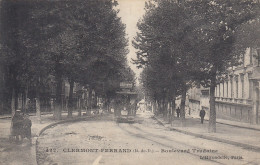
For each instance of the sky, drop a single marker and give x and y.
(130, 12)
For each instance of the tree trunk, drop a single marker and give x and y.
(38, 108)
(25, 99)
(88, 101)
(157, 107)
(212, 115)
(169, 111)
(1, 91)
(16, 97)
(173, 108)
(12, 81)
(58, 107)
(13, 102)
(182, 106)
(1, 102)
(153, 106)
(108, 105)
(1, 106)
(81, 100)
(167, 107)
(37, 102)
(79, 110)
(70, 109)
(164, 108)
(23, 102)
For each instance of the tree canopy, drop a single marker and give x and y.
(187, 42)
(81, 41)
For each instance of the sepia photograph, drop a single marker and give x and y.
(130, 82)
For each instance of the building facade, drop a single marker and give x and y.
(237, 95)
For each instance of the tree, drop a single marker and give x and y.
(215, 24)
(162, 47)
(83, 39)
(197, 39)
(67, 39)
(250, 33)
(24, 64)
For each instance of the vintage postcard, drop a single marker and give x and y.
(129, 82)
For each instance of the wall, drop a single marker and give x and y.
(237, 94)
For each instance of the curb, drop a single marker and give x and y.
(255, 129)
(233, 125)
(67, 121)
(61, 122)
(31, 114)
(52, 125)
(245, 146)
(5, 117)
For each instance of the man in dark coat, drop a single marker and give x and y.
(178, 111)
(27, 124)
(17, 125)
(202, 115)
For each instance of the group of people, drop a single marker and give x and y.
(202, 114)
(20, 127)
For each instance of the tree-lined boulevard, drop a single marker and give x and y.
(184, 44)
(100, 140)
(63, 65)
(144, 142)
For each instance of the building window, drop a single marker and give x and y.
(242, 82)
(251, 57)
(227, 88)
(205, 93)
(258, 56)
(231, 86)
(236, 88)
(223, 89)
(243, 60)
(242, 85)
(250, 85)
(219, 90)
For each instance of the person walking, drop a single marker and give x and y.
(202, 115)
(178, 111)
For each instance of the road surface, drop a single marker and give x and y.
(143, 142)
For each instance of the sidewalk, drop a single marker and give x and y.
(230, 132)
(230, 122)
(20, 154)
(6, 116)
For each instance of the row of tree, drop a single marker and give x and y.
(79, 41)
(185, 43)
